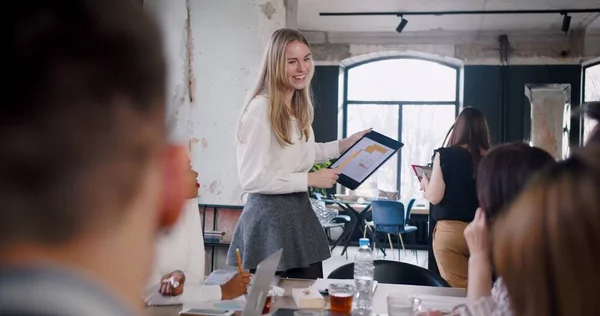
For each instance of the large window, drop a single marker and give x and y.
(412, 100)
(423, 130)
(591, 93)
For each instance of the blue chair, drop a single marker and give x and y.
(409, 207)
(389, 218)
(411, 203)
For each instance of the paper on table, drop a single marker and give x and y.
(152, 294)
(154, 298)
(237, 305)
(441, 303)
(219, 277)
(323, 284)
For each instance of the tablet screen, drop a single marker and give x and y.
(363, 158)
(420, 170)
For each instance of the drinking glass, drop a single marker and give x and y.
(403, 305)
(340, 297)
(272, 296)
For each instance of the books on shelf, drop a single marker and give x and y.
(213, 236)
(212, 240)
(213, 233)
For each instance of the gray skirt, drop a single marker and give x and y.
(271, 222)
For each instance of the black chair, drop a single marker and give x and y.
(394, 272)
(336, 220)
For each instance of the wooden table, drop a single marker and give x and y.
(379, 298)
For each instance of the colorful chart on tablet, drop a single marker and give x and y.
(364, 158)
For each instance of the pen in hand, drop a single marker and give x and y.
(239, 259)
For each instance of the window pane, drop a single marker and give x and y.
(423, 130)
(591, 93)
(384, 120)
(592, 84)
(402, 80)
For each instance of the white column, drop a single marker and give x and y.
(550, 117)
(213, 50)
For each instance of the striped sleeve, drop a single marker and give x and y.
(498, 304)
(484, 306)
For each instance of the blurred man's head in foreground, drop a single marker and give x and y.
(86, 175)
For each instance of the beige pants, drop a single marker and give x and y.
(451, 252)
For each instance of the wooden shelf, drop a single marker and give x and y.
(217, 244)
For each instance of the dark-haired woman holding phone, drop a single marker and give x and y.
(451, 191)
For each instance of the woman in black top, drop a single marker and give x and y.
(452, 192)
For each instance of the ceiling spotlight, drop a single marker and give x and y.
(566, 22)
(402, 24)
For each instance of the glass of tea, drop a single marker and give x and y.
(402, 305)
(269, 301)
(340, 297)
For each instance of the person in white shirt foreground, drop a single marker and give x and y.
(179, 265)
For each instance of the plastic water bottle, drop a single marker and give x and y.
(363, 277)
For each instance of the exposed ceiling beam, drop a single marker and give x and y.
(590, 20)
(406, 13)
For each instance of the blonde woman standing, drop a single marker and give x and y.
(275, 150)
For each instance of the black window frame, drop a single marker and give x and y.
(345, 102)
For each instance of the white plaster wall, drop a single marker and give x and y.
(228, 39)
(592, 44)
(171, 16)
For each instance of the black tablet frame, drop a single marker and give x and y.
(378, 138)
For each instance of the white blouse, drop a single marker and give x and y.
(264, 166)
(182, 248)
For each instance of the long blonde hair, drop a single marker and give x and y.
(273, 82)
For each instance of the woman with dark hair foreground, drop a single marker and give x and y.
(501, 176)
(546, 245)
